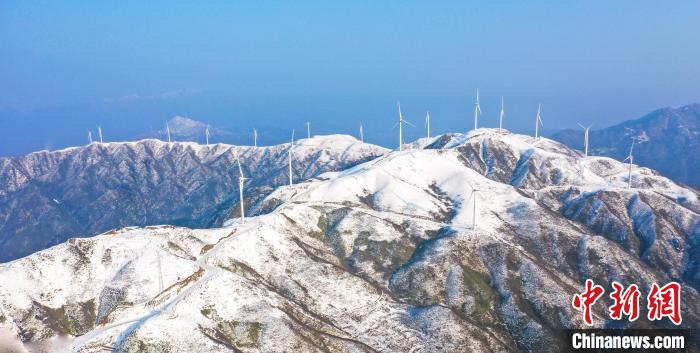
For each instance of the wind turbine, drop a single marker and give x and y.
(362, 134)
(585, 138)
(99, 132)
(630, 158)
(501, 115)
(241, 181)
(538, 121)
(308, 130)
(477, 110)
(291, 181)
(255, 137)
(206, 134)
(473, 196)
(160, 273)
(167, 128)
(400, 123)
(427, 123)
(90, 137)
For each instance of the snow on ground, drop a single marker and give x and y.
(337, 142)
(243, 277)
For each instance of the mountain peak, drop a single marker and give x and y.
(670, 139)
(179, 122)
(188, 129)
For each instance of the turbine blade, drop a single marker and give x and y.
(408, 123)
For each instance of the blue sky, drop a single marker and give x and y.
(68, 66)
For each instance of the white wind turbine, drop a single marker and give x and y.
(400, 124)
(99, 132)
(630, 158)
(167, 128)
(427, 123)
(585, 138)
(90, 137)
(160, 272)
(473, 196)
(477, 110)
(255, 137)
(291, 145)
(308, 130)
(538, 121)
(501, 115)
(241, 181)
(362, 133)
(206, 134)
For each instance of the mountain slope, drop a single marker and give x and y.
(46, 197)
(379, 257)
(670, 142)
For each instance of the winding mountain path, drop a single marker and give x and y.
(210, 272)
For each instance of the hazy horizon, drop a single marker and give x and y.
(129, 67)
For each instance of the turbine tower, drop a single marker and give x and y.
(255, 137)
(630, 158)
(167, 128)
(538, 121)
(241, 181)
(99, 132)
(308, 130)
(291, 145)
(474, 195)
(206, 134)
(477, 110)
(160, 273)
(501, 115)
(400, 123)
(90, 137)
(427, 123)
(362, 134)
(585, 138)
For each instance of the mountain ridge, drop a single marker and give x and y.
(49, 196)
(669, 141)
(330, 263)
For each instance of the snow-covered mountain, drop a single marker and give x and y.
(47, 197)
(187, 129)
(669, 141)
(379, 257)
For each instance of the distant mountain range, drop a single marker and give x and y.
(669, 141)
(187, 129)
(47, 197)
